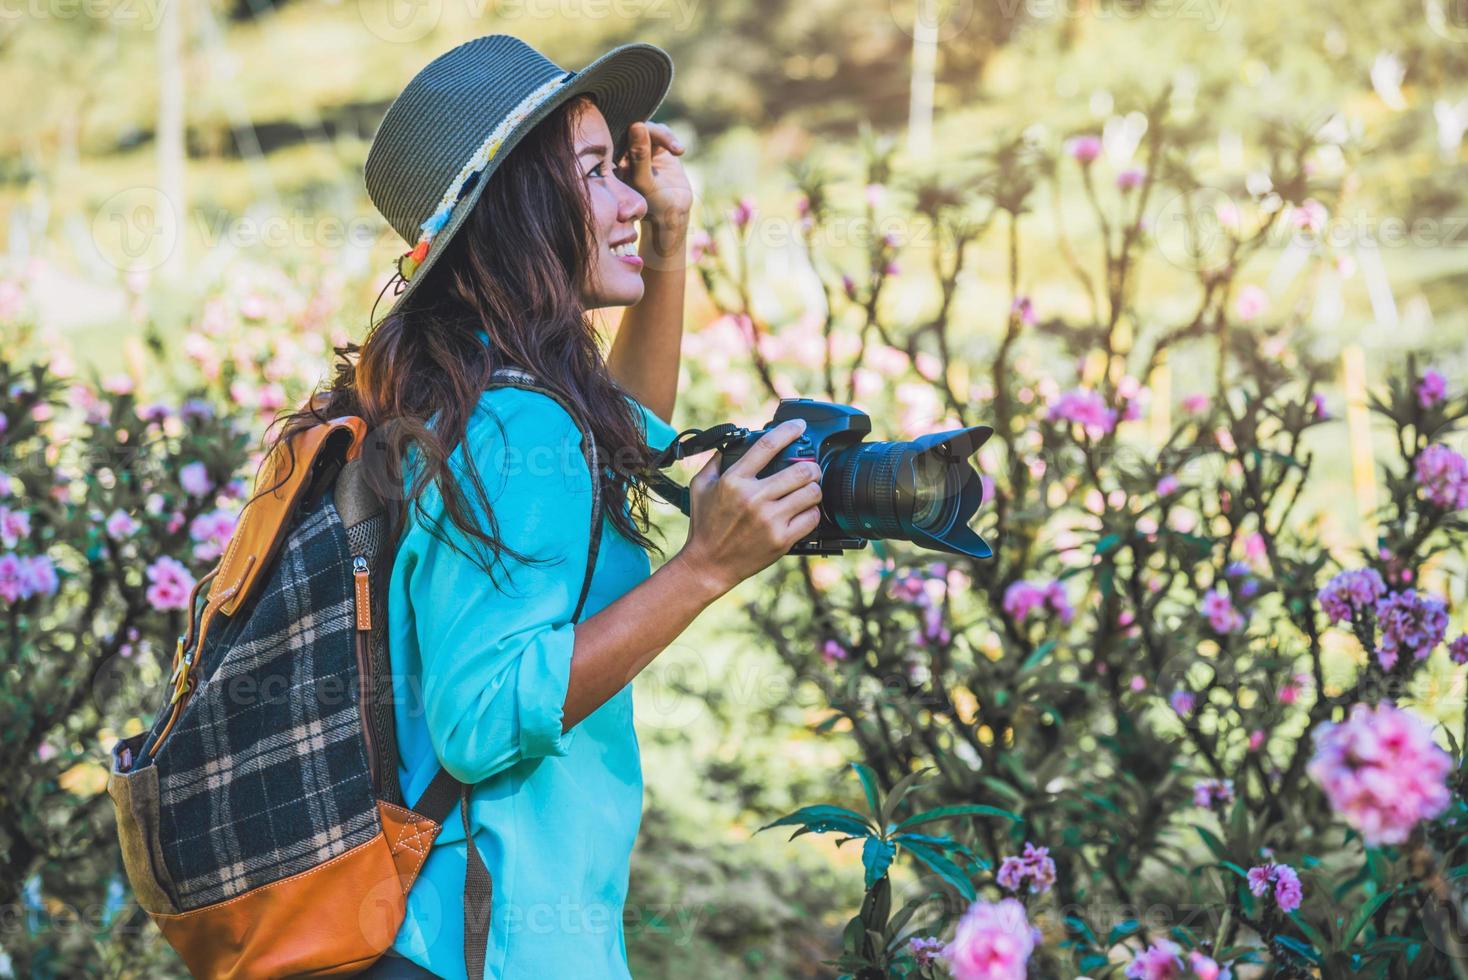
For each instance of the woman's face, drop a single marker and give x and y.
(615, 274)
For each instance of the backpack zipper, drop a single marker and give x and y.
(362, 594)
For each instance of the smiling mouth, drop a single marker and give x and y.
(625, 250)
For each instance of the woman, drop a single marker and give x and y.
(511, 248)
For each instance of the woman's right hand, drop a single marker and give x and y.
(738, 523)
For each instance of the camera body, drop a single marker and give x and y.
(828, 429)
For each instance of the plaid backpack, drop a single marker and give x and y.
(261, 818)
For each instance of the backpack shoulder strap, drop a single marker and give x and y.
(444, 790)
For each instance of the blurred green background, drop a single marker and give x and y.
(167, 148)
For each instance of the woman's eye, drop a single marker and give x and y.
(593, 172)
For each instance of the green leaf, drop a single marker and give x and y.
(1041, 652)
(899, 792)
(942, 843)
(1363, 915)
(1107, 543)
(869, 784)
(1214, 844)
(944, 868)
(876, 857)
(824, 818)
(1311, 933)
(961, 810)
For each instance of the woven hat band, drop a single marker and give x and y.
(413, 258)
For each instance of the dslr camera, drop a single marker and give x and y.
(924, 491)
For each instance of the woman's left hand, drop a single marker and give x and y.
(651, 167)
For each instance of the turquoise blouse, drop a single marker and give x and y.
(480, 676)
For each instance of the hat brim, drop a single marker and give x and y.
(629, 82)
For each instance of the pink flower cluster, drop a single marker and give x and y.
(993, 941)
(831, 651)
(21, 578)
(1443, 476)
(1432, 389)
(1087, 408)
(1206, 968)
(925, 949)
(171, 584)
(1222, 615)
(1381, 771)
(1034, 865)
(1409, 622)
(1350, 592)
(212, 532)
(1287, 890)
(1213, 793)
(15, 526)
(1160, 961)
(1025, 597)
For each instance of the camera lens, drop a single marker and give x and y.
(935, 487)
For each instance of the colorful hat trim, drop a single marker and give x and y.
(409, 262)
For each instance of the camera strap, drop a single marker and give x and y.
(700, 441)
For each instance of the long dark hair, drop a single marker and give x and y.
(512, 270)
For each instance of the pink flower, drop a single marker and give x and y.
(874, 194)
(1161, 961)
(120, 525)
(1087, 408)
(1196, 404)
(1167, 485)
(38, 576)
(171, 584)
(1025, 309)
(1458, 650)
(194, 478)
(1213, 793)
(12, 580)
(1034, 865)
(1443, 476)
(1222, 615)
(15, 526)
(1130, 179)
(1432, 389)
(993, 941)
(1183, 701)
(1287, 890)
(925, 950)
(1256, 739)
(1251, 303)
(212, 531)
(831, 651)
(155, 412)
(743, 212)
(1206, 968)
(1290, 691)
(1084, 149)
(1025, 597)
(1346, 595)
(1381, 771)
(1310, 215)
(1409, 622)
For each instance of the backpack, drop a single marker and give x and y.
(260, 817)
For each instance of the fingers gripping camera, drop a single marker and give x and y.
(924, 491)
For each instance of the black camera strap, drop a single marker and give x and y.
(700, 441)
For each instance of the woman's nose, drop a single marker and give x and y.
(631, 205)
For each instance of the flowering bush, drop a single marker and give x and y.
(1208, 716)
(116, 495)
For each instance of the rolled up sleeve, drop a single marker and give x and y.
(496, 656)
